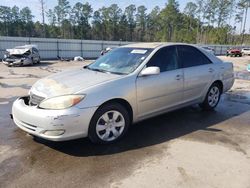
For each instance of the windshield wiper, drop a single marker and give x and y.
(104, 71)
(94, 69)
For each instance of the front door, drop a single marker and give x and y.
(156, 93)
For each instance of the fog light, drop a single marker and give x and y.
(54, 132)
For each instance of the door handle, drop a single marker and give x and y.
(210, 70)
(178, 77)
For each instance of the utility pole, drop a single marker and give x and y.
(42, 6)
(247, 5)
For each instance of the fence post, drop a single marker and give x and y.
(220, 50)
(81, 49)
(102, 44)
(57, 46)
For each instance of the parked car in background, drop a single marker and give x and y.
(21, 55)
(127, 85)
(245, 51)
(234, 52)
(106, 50)
(209, 49)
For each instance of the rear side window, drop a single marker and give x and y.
(165, 58)
(190, 57)
(35, 50)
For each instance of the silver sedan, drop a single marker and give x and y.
(127, 85)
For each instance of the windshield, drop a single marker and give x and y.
(120, 60)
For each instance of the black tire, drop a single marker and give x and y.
(206, 105)
(39, 60)
(92, 133)
(32, 61)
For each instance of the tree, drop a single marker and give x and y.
(62, 13)
(97, 26)
(123, 29)
(223, 11)
(81, 13)
(114, 17)
(141, 22)
(169, 21)
(51, 16)
(244, 4)
(210, 10)
(130, 15)
(190, 9)
(5, 17)
(152, 24)
(26, 18)
(42, 7)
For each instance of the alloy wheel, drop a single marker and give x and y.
(110, 125)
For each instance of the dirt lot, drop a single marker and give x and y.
(185, 148)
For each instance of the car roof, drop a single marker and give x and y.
(29, 46)
(152, 45)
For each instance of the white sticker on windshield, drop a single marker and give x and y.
(137, 51)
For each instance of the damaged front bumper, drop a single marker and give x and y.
(55, 125)
(17, 62)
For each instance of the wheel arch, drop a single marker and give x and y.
(122, 102)
(220, 83)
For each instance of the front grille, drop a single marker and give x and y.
(35, 99)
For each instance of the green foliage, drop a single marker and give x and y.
(202, 21)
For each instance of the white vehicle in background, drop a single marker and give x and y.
(21, 55)
(245, 51)
(209, 49)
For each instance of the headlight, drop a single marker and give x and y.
(61, 102)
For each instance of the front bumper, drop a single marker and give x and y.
(72, 122)
(17, 62)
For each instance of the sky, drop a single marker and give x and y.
(96, 4)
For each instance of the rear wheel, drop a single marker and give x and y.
(212, 98)
(109, 123)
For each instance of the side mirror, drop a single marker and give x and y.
(150, 71)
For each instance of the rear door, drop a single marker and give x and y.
(162, 91)
(198, 72)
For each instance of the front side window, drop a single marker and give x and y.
(190, 56)
(165, 58)
(121, 60)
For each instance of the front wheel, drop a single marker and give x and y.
(212, 98)
(109, 123)
(39, 60)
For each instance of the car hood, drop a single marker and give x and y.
(17, 51)
(70, 82)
